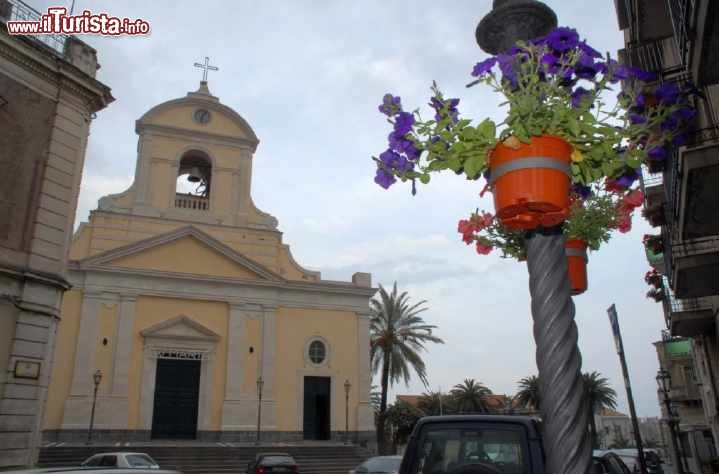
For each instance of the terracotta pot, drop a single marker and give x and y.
(577, 261)
(531, 184)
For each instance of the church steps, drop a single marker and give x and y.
(329, 459)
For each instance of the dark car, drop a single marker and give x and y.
(277, 463)
(609, 463)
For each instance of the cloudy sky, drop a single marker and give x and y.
(308, 76)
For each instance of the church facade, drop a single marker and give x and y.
(187, 309)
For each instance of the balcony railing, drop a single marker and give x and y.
(682, 13)
(660, 56)
(21, 11)
(189, 201)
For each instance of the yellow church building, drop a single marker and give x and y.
(187, 306)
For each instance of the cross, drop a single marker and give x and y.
(205, 67)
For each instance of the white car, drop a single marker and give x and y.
(121, 460)
(379, 465)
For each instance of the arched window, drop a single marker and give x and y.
(194, 179)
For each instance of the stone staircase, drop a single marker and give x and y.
(217, 458)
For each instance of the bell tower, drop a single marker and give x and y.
(194, 163)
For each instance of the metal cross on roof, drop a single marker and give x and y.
(205, 68)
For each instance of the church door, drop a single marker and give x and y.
(317, 408)
(177, 389)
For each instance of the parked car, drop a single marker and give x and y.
(631, 459)
(267, 463)
(94, 470)
(609, 463)
(121, 460)
(379, 465)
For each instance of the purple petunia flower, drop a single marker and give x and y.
(684, 113)
(640, 100)
(403, 123)
(582, 191)
(563, 39)
(588, 50)
(578, 96)
(641, 74)
(550, 62)
(585, 67)
(628, 178)
(482, 68)
(636, 119)
(680, 139)
(669, 124)
(391, 105)
(506, 65)
(384, 178)
(618, 72)
(657, 153)
(389, 157)
(667, 93)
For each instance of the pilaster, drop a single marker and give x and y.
(365, 415)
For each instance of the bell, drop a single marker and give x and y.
(195, 176)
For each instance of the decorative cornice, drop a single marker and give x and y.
(198, 135)
(107, 257)
(55, 71)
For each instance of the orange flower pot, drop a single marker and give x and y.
(577, 262)
(531, 183)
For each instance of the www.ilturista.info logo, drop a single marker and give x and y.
(57, 21)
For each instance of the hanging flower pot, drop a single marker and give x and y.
(530, 182)
(576, 251)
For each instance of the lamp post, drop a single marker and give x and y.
(663, 380)
(260, 383)
(566, 439)
(96, 378)
(348, 385)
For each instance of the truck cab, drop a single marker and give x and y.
(474, 444)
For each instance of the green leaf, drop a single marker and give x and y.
(424, 178)
(474, 165)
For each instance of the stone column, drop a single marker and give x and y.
(23, 398)
(365, 415)
(237, 350)
(77, 405)
(269, 352)
(118, 403)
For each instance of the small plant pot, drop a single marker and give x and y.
(577, 262)
(531, 183)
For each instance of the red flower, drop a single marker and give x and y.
(633, 198)
(613, 186)
(624, 223)
(483, 249)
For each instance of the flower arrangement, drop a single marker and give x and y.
(654, 243)
(559, 86)
(593, 215)
(654, 279)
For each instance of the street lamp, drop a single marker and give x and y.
(96, 378)
(348, 385)
(663, 381)
(260, 383)
(566, 440)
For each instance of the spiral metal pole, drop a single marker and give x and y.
(567, 443)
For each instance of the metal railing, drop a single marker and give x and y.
(682, 305)
(659, 56)
(188, 201)
(682, 13)
(21, 11)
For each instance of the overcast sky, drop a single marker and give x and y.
(308, 76)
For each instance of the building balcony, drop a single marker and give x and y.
(695, 266)
(688, 317)
(192, 202)
(17, 10)
(702, 18)
(660, 56)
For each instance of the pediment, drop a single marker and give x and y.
(184, 251)
(180, 328)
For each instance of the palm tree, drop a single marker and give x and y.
(599, 395)
(374, 398)
(397, 335)
(528, 395)
(436, 403)
(469, 396)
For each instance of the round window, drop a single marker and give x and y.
(317, 352)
